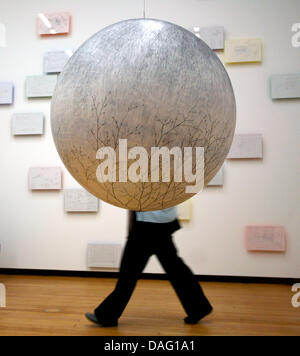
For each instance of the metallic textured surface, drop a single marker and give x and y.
(150, 82)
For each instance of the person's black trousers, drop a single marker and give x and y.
(145, 240)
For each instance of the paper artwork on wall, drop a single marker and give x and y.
(56, 23)
(27, 123)
(39, 86)
(184, 211)
(2, 35)
(285, 86)
(6, 93)
(265, 238)
(2, 296)
(54, 61)
(243, 50)
(218, 179)
(45, 178)
(213, 36)
(246, 146)
(79, 200)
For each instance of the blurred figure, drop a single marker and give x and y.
(150, 233)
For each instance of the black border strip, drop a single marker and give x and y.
(155, 276)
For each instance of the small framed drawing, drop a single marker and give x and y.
(106, 255)
(246, 146)
(265, 238)
(40, 86)
(218, 179)
(213, 36)
(6, 93)
(56, 23)
(54, 61)
(27, 123)
(45, 178)
(2, 35)
(243, 50)
(285, 86)
(184, 210)
(79, 200)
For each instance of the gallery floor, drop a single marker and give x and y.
(39, 305)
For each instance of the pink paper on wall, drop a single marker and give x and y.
(265, 238)
(56, 23)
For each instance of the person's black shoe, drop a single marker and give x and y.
(92, 317)
(196, 319)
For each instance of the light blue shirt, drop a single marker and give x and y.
(157, 216)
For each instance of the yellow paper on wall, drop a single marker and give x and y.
(243, 50)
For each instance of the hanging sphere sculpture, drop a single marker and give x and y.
(135, 87)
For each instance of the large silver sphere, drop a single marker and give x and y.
(150, 82)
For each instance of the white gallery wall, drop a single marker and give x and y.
(36, 232)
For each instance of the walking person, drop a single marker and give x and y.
(150, 233)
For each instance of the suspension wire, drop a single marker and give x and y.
(144, 9)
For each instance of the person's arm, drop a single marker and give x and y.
(131, 219)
